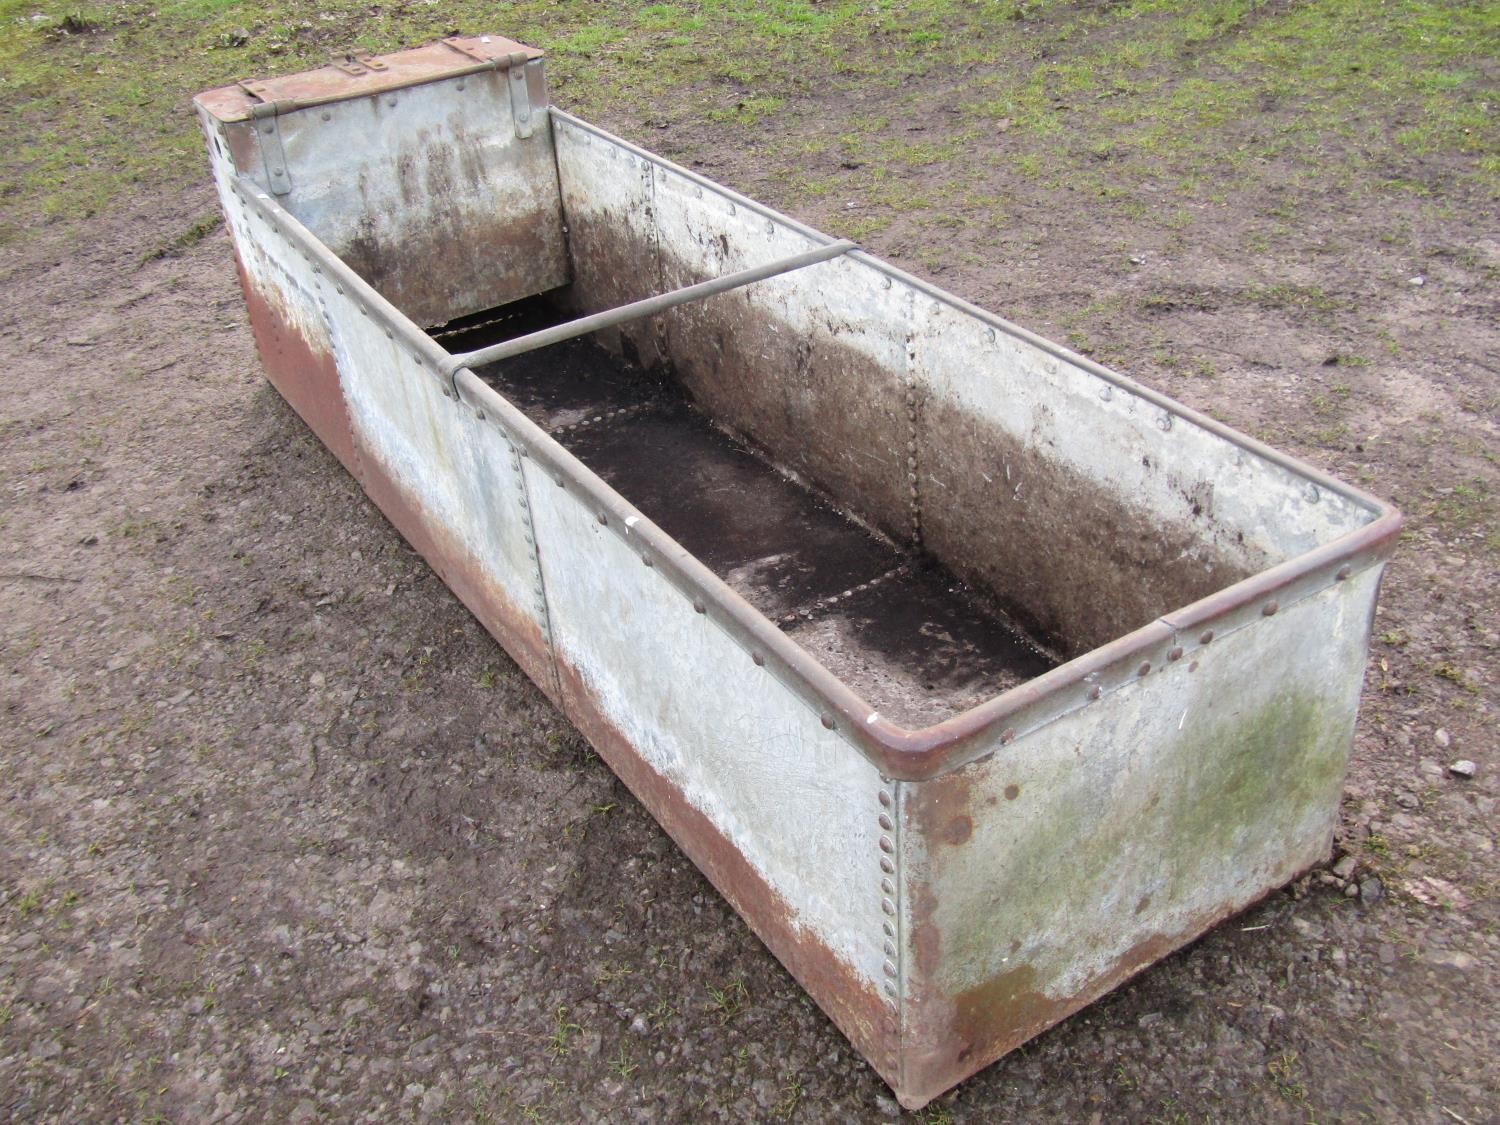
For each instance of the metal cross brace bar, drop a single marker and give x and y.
(648, 307)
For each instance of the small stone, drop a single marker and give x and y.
(1454, 959)
(1149, 1018)
(1371, 891)
(1345, 867)
(1442, 738)
(639, 1026)
(1351, 889)
(887, 1107)
(1407, 800)
(1463, 768)
(1387, 953)
(1416, 281)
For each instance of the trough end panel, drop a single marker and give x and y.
(1038, 878)
(439, 204)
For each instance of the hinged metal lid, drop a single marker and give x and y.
(360, 74)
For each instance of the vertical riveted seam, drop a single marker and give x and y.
(542, 609)
(913, 419)
(889, 869)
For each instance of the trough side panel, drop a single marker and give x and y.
(429, 194)
(291, 332)
(1042, 876)
(1086, 510)
(811, 365)
(607, 205)
(776, 809)
(445, 479)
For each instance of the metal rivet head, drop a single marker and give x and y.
(1008, 737)
(268, 128)
(1344, 572)
(327, 116)
(887, 866)
(885, 283)
(460, 84)
(1144, 669)
(1095, 692)
(1208, 635)
(887, 886)
(646, 560)
(603, 518)
(758, 659)
(888, 929)
(888, 906)
(479, 414)
(884, 822)
(770, 227)
(889, 969)
(1175, 654)
(390, 101)
(885, 799)
(990, 335)
(699, 607)
(828, 721)
(1270, 608)
(886, 845)
(1164, 423)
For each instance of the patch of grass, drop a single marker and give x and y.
(728, 1001)
(97, 99)
(196, 232)
(561, 1037)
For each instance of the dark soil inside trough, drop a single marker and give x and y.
(896, 626)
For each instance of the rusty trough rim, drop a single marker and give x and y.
(899, 753)
(362, 75)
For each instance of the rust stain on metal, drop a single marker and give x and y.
(305, 373)
(464, 574)
(853, 1004)
(397, 71)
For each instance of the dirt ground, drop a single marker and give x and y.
(285, 836)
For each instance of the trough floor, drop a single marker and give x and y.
(896, 627)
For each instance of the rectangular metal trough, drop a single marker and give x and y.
(975, 676)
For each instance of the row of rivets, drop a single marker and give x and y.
(913, 477)
(890, 924)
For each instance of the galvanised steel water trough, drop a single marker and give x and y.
(976, 676)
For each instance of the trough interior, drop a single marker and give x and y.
(935, 509)
(896, 626)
